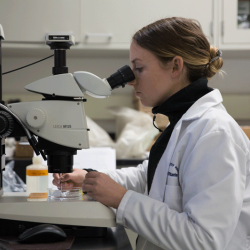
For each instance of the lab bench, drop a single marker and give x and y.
(108, 237)
(114, 238)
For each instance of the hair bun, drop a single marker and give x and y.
(215, 62)
(177, 36)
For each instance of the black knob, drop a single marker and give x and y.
(6, 124)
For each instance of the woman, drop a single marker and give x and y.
(194, 191)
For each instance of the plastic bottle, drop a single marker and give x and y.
(37, 176)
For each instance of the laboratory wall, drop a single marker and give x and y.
(102, 37)
(234, 83)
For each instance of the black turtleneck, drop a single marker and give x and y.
(174, 107)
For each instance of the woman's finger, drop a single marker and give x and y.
(87, 187)
(89, 181)
(92, 174)
(56, 183)
(65, 177)
(67, 184)
(56, 176)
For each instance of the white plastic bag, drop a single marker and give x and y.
(98, 137)
(136, 135)
(11, 181)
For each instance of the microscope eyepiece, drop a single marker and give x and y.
(121, 77)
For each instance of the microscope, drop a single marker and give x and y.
(56, 128)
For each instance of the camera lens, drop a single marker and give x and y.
(121, 77)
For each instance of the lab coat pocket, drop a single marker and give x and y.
(173, 197)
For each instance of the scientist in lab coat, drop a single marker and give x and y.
(194, 192)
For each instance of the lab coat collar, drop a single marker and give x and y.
(202, 105)
(178, 104)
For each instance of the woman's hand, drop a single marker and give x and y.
(102, 188)
(69, 180)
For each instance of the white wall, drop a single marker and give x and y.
(235, 85)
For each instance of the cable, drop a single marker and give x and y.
(26, 65)
(154, 124)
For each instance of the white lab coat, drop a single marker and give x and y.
(200, 194)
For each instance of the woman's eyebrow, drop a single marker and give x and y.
(135, 60)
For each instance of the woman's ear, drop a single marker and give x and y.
(177, 66)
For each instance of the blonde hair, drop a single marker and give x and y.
(176, 36)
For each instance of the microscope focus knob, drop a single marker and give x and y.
(36, 118)
(6, 124)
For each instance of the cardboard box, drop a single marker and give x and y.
(23, 150)
(246, 129)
